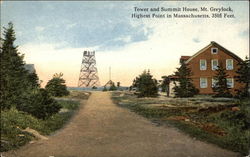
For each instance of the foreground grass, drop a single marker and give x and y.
(13, 123)
(213, 122)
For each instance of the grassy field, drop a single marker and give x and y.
(224, 122)
(13, 122)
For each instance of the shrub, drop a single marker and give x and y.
(105, 89)
(238, 140)
(56, 86)
(112, 87)
(238, 118)
(12, 123)
(146, 85)
(69, 104)
(40, 104)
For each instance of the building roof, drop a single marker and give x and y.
(109, 83)
(30, 67)
(185, 57)
(213, 43)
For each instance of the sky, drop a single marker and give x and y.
(53, 35)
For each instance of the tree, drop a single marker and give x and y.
(112, 87)
(221, 87)
(243, 76)
(146, 85)
(56, 86)
(118, 84)
(33, 80)
(165, 84)
(40, 104)
(185, 88)
(13, 82)
(105, 89)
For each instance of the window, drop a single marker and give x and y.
(203, 82)
(214, 64)
(229, 64)
(203, 64)
(214, 50)
(214, 81)
(230, 82)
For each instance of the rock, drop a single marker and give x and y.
(63, 110)
(122, 95)
(179, 118)
(35, 133)
(86, 94)
(235, 109)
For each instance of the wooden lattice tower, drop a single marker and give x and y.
(88, 74)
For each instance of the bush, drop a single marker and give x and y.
(239, 141)
(69, 104)
(105, 89)
(40, 104)
(112, 87)
(12, 123)
(238, 118)
(56, 86)
(146, 85)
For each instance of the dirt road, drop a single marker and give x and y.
(101, 129)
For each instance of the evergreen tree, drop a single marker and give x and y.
(146, 85)
(13, 82)
(33, 80)
(185, 88)
(112, 87)
(165, 84)
(243, 77)
(221, 87)
(56, 86)
(105, 89)
(118, 84)
(40, 104)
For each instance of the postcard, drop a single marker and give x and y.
(125, 78)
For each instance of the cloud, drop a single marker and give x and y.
(125, 39)
(39, 28)
(196, 40)
(69, 26)
(127, 45)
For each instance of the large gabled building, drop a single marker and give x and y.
(203, 65)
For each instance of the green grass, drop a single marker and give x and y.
(69, 104)
(13, 122)
(235, 124)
